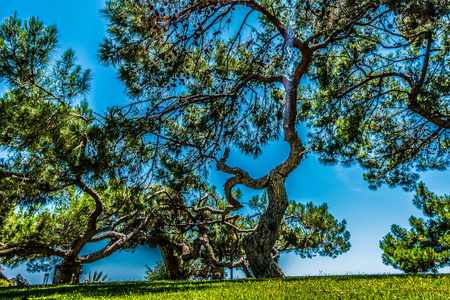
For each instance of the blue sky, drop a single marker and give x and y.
(369, 214)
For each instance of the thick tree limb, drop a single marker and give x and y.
(27, 251)
(113, 246)
(188, 253)
(113, 235)
(288, 37)
(91, 229)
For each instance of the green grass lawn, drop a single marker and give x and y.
(322, 287)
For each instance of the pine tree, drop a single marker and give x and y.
(207, 75)
(426, 246)
(60, 182)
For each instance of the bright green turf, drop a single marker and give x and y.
(323, 287)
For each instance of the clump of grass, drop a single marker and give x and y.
(320, 287)
(96, 278)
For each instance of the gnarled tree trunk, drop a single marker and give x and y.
(258, 245)
(70, 272)
(172, 263)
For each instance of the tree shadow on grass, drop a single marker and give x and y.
(367, 276)
(114, 289)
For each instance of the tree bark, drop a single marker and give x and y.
(70, 272)
(172, 263)
(258, 245)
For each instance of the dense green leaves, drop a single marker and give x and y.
(25, 49)
(426, 246)
(311, 230)
(307, 229)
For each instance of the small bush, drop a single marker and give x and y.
(159, 272)
(4, 283)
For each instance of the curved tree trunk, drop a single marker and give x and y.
(258, 245)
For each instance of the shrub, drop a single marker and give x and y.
(159, 272)
(4, 283)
